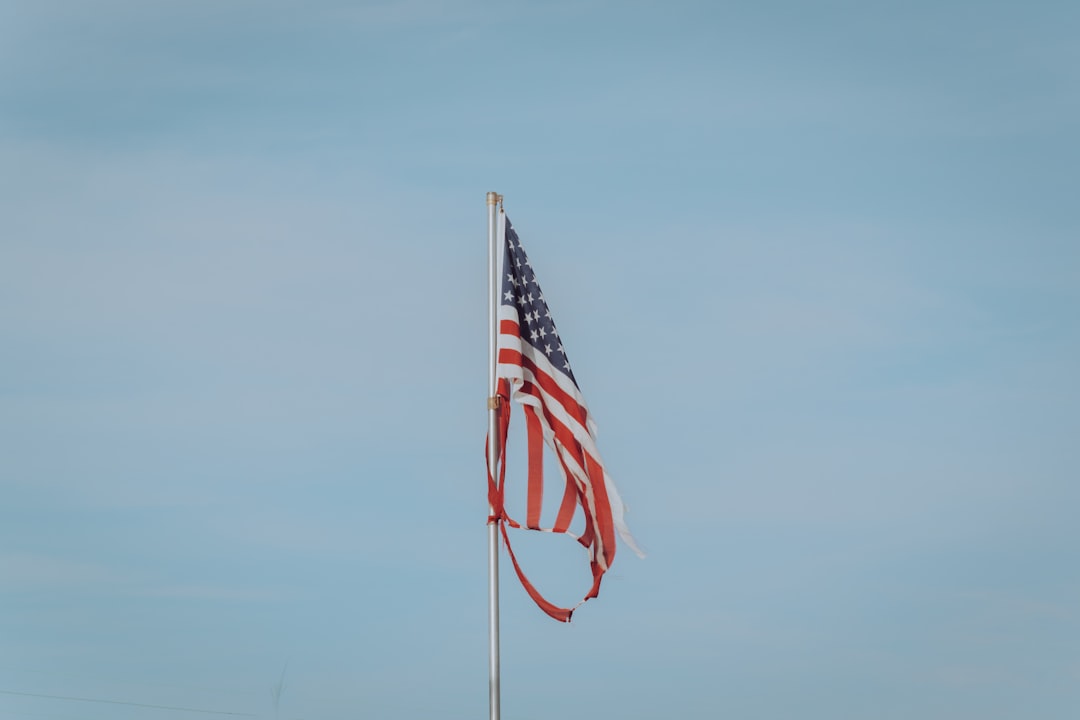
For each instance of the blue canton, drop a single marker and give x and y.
(520, 288)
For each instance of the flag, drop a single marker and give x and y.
(534, 371)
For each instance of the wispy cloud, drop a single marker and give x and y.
(214, 593)
(37, 571)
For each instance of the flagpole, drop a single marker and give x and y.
(493, 453)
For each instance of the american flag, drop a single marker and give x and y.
(534, 370)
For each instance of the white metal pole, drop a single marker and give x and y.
(493, 453)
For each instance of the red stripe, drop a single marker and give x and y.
(509, 356)
(603, 509)
(569, 502)
(598, 575)
(559, 613)
(536, 468)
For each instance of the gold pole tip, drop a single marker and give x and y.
(492, 198)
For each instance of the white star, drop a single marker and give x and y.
(547, 349)
(529, 318)
(543, 333)
(561, 349)
(534, 335)
(530, 297)
(509, 296)
(520, 300)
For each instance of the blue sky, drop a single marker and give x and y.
(816, 266)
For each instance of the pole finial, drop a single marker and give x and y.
(493, 198)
